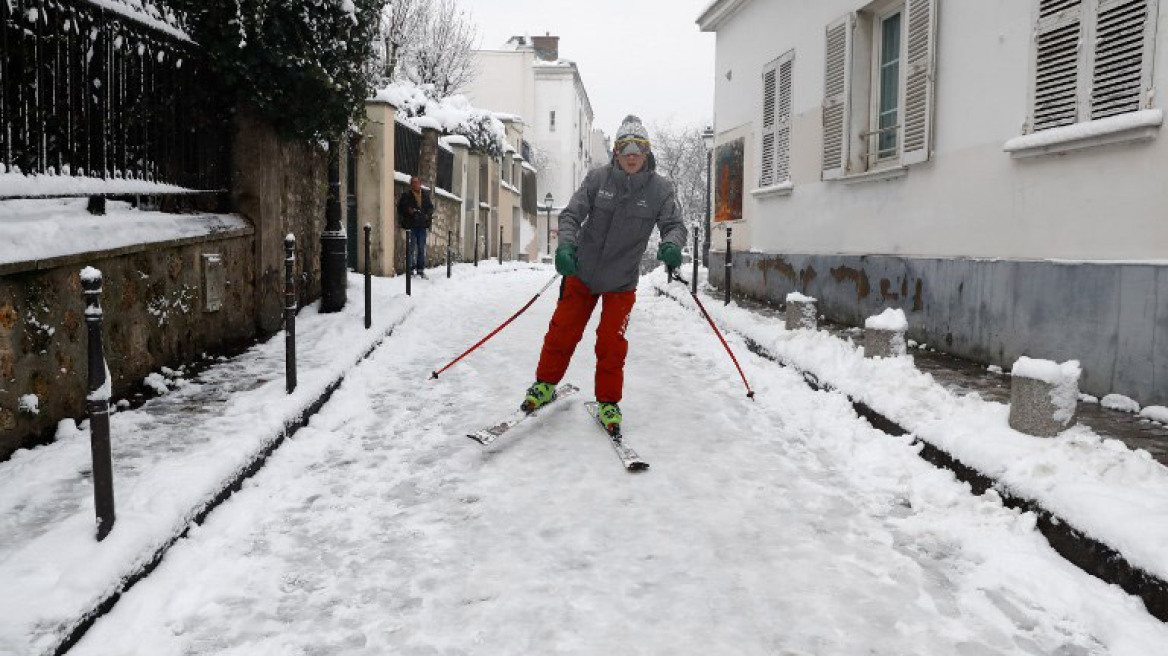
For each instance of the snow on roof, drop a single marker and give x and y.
(425, 122)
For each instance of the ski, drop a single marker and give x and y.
(492, 433)
(628, 457)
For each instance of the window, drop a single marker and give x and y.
(881, 119)
(1112, 75)
(886, 130)
(775, 160)
(553, 121)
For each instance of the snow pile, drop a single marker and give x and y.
(1063, 379)
(892, 320)
(1155, 413)
(1121, 403)
(482, 129)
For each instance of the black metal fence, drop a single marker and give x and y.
(445, 169)
(407, 149)
(86, 91)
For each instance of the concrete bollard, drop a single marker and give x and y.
(801, 312)
(1043, 396)
(884, 334)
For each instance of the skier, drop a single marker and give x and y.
(603, 233)
(415, 211)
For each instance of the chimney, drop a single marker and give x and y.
(547, 48)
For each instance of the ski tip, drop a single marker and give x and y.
(476, 438)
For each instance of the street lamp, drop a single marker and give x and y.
(708, 141)
(547, 205)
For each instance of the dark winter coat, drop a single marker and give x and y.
(410, 216)
(610, 219)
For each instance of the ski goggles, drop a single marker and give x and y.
(641, 144)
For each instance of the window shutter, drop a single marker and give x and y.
(836, 88)
(918, 83)
(1120, 51)
(1056, 84)
(783, 121)
(766, 175)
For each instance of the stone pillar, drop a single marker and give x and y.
(884, 335)
(1043, 396)
(376, 197)
(801, 312)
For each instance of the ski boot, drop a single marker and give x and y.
(539, 394)
(610, 416)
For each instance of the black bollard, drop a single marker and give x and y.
(334, 243)
(476, 244)
(500, 245)
(368, 277)
(694, 253)
(97, 405)
(409, 263)
(729, 263)
(449, 241)
(290, 312)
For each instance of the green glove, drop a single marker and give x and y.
(670, 254)
(566, 263)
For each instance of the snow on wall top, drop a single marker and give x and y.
(149, 14)
(40, 229)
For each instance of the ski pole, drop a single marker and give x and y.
(673, 275)
(496, 331)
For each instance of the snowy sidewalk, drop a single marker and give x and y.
(172, 457)
(1116, 495)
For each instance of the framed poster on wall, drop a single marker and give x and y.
(729, 174)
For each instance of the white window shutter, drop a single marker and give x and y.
(783, 119)
(1056, 83)
(920, 55)
(1121, 56)
(766, 173)
(836, 89)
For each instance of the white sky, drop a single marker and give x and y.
(644, 57)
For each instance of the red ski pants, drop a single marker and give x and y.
(567, 327)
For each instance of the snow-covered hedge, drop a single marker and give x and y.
(483, 129)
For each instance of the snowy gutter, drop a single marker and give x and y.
(1078, 548)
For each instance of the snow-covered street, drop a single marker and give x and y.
(781, 526)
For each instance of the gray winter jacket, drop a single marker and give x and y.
(610, 219)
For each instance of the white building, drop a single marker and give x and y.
(993, 167)
(528, 78)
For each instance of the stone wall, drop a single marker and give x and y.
(154, 316)
(1111, 317)
(282, 187)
